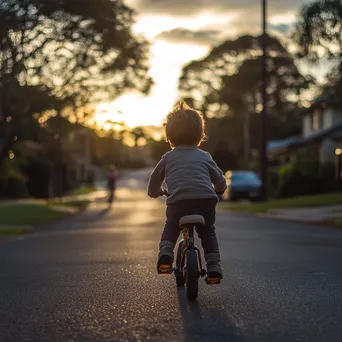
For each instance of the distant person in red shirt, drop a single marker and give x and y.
(111, 182)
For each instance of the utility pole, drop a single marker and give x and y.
(87, 156)
(3, 123)
(246, 137)
(263, 146)
(2, 101)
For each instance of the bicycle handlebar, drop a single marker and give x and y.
(164, 193)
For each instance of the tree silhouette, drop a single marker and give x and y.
(78, 52)
(228, 82)
(138, 133)
(319, 35)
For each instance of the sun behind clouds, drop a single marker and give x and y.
(139, 110)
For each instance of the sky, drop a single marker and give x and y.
(184, 30)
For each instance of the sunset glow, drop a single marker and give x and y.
(168, 56)
(139, 110)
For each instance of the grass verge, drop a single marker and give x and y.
(15, 230)
(288, 203)
(81, 191)
(336, 221)
(78, 204)
(28, 214)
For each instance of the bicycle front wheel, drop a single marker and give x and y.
(191, 274)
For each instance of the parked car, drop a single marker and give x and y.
(242, 185)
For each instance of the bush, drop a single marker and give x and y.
(273, 180)
(91, 178)
(16, 185)
(328, 177)
(299, 178)
(38, 173)
(3, 186)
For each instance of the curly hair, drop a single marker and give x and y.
(184, 126)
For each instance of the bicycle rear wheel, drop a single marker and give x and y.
(111, 196)
(192, 274)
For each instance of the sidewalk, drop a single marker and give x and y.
(307, 215)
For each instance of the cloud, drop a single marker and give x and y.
(211, 37)
(185, 8)
(199, 37)
(232, 18)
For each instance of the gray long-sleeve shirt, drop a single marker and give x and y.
(189, 173)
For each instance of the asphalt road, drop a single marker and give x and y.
(93, 278)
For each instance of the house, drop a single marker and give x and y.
(321, 135)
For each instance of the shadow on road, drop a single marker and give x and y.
(201, 324)
(105, 211)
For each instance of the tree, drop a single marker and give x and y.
(68, 46)
(138, 133)
(319, 28)
(22, 107)
(78, 53)
(158, 148)
(228, 82)
(319, 35)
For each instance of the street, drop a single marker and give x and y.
(93, 278)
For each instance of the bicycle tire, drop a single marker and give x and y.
(180, 281)
(111, 197)
(191, 274)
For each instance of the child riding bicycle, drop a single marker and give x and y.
(189, 174)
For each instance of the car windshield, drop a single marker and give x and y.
(239, 176)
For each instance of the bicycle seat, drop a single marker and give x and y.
(191, 219)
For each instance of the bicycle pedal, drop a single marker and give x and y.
(165, 269)
(213, 281)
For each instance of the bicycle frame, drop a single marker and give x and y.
(187, 243)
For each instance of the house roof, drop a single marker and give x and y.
(318, 136)
(305, 141)
(277, 144)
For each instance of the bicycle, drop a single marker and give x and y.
(111, 195)
(188, 267)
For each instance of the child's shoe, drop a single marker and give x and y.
(214, 270)
(165, 257)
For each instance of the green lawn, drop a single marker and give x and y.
(297, 202)
(81, 191)
(78, 204)
(28, 214)
(338, 221)
(335, 221)
(16, 218)
(15, 230)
